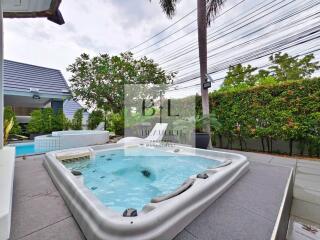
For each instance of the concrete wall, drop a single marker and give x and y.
(7, 161)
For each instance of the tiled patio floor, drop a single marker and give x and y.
(306, 192)
(248, 210)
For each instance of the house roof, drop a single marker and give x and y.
(33, 9)
(20, 77)
(70, 107)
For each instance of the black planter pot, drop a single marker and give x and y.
(202, 140)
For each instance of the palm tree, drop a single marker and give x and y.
(206, 11)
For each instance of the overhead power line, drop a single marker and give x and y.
(175, 32)
(235, 22)
(165, 29)
(292, 24)
(259, 68)
(229, 29)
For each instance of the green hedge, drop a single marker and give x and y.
(288, 111)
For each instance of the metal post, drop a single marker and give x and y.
(1, 75)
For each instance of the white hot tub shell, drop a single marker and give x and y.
(159, 220)
(70, 139)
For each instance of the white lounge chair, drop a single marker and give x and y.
(156, 135)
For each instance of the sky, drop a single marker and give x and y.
(113, 26)
(92, 26)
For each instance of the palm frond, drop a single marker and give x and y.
(213, 7)
(169, 7)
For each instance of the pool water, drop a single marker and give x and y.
(121, 180)
(25, 149)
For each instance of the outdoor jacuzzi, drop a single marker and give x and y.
(70, 139)
(137, 192)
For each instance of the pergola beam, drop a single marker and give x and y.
(53, 13)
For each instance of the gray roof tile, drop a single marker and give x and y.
(20, 77)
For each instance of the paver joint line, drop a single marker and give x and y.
(44, 227)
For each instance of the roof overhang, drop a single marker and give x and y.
(33, 9)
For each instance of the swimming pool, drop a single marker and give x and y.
(161, 192)
(61, 140)
(23, 149)
(122, 179)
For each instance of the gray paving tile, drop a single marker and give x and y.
(309, 164)
(252, 156)
(282, 161)
(224, 220)
(258, 157)
(30, 216)
(264, 202)
(28, 166)
(267, 176)
(66, 229)
(27, 187)
(308, 170)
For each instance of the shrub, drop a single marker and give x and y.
(46, 121)
(77, 120)
(8, 115)
(59, 121)
(95, 117)
(286, 111)
(36, 123)
(115, 123)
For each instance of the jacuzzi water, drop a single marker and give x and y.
(122, 179)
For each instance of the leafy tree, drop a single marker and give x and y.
(240, 75)
(8, 115)
(292, 68)
(267, 80)
(99, 81)
(77, 120)
(284, 68)
(95, 117)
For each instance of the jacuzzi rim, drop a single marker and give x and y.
(168, 211)
(214, 170)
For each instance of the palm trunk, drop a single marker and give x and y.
(202, 41)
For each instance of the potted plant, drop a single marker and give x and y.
(202, 138)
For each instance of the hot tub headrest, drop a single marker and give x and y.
(187, 184)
